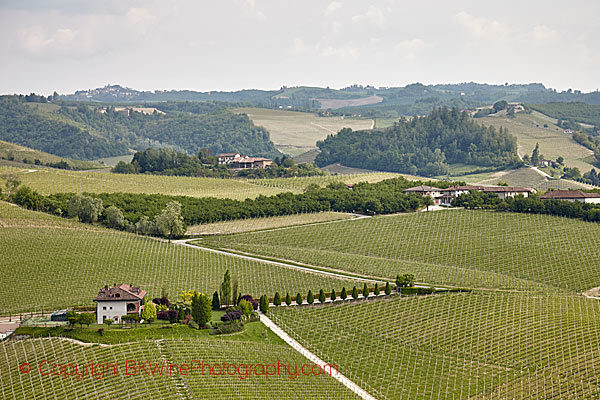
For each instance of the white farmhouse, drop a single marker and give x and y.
(116, 301)
(572, 195)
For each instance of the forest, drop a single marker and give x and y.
(422, 146)
(84, 131)
(578, 112)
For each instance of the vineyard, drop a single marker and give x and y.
(457, 247)
(140, 385)
(458, 346)
(71, 261)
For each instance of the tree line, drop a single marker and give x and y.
(423, 145)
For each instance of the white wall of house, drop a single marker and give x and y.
(593, 200)
(111, 310)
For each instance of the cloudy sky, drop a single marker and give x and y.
(65, 45)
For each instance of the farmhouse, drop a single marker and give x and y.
(445, 196)
(572, 195)
(116, 301)
(227, 158)
(238, 161)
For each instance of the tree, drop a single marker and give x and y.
(85, 208)
(226, 289)
(170, 221)
(376, 289)
(201, 309)
(428, 201)
(288, 299)
(535, 156)
(113, 217)
(149, 312)
(388, 289)
(246, 307)
(216, 304)
(560, 160)
(86, 318)
(264, 304)
(108, 322)
(406, 280)
(500, 105)
(333, 295)
(235, 291)
(310, 298)
(72, 317)
(354, 292)
(365, 291)
(321, 296)
(298, 299)
(343, 295)
(277, 299)
(511, 112)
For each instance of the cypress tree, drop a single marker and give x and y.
(365, 292)
(277, 299)
(388, 289)
(333, 295)
(216, 304)
(288, 299)
(310, 298)
(376, 290)
(354, 293)
(264, 304)
(321, 296)
(343, 295)
(298, 299)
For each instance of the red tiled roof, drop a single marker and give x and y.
(457, 188)
(122, 292)
(569, 194)
(422, 188)
(496, 189)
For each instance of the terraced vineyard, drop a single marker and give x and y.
(459, 346)
(139, 385)
(457, 247)
(71, 261)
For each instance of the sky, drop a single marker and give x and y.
(67, 45)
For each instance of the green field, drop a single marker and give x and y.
(296, 132)
(255, 224)
(20, 153)
(453, 247)
(69, 262)
(524, 177)
(529, 130)
(299, 184)
(139, 385)
(458, 346)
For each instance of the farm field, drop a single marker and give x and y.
(458, 346)
(292, 130)
(299, 184)
(523, 177)
(72, 261)
(15, 385)
(529, 130)
(255, 224)
(454, 247)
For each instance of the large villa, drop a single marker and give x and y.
(444, 197)
(113, 302)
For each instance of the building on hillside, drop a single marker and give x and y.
(568, 131)
(113, 302)
(424, 190)
(445, 196)
(508, 191)
(572, 195)
(59, 315)
(227, 158)
(547, 163)
(251, 162)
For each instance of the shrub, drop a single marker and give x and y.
(343, 295)
(310, 298)
(365, 291)
(201, 308)
(406, 280)
(249, 298)
(230, 327)
(131, 318)
(354, 292)
(162, 301)
(193, 324)
(232, 315)
(288, 299)
(149, 312)
(333, 295)
(264, 303)
(298, 299)
(388, 289)
(108, 322)
(321, 296)
(245, 307)
(376, 289)
(277, 299)
(167, 315)
(86, 318)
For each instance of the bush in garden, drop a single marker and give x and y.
(216, 304)
(333, 295)
(376, 289)
(343, 295)
(131, 318)
(149, 312)
(245, 307)
(298, 299)
(249, 298)
(193, 324)
(310, 298)
(201, 309)
(168, 315)
(229, 327)
(288, 299)
(86, 318)
(321, 296)
(388, 289)
(108, 322)
(264, 303)
(232, 315)
(365, 291)
(277, 299)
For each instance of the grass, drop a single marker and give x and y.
(453, 247)
(526, 177)
(529, 130)
(458, 346)
(255, 224)
(298, 129)
(51, 263)
(159, 385)
(19, 153)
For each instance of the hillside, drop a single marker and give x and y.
(16, 155)
(423, 146)
(90, 131)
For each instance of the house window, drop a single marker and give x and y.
(118, 295)
(104, 308)
(111, 308)
(130, 307)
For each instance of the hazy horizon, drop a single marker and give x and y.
(69, 45)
